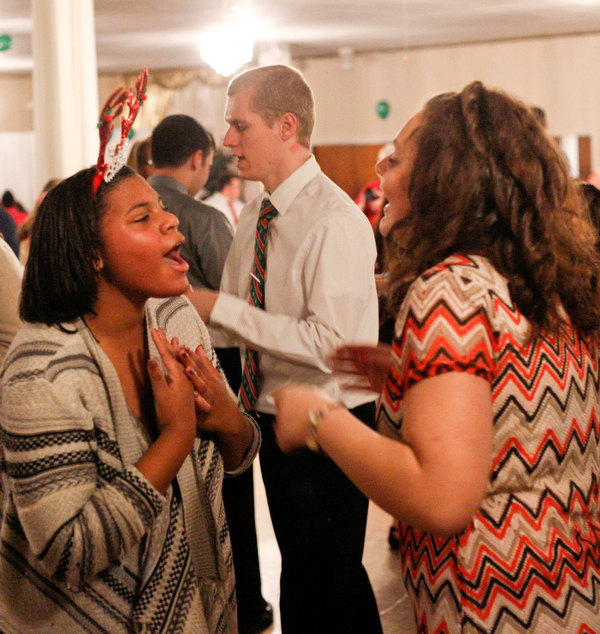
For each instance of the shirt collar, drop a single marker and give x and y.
(168, 181)
(286, 193)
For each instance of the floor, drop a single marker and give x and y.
(380, 561)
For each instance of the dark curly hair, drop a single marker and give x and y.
(488, 180)
(60, 281)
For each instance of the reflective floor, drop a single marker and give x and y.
(380, 561)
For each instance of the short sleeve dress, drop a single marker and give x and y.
(530, 559)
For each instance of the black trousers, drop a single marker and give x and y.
(319, 518)
(238, 497)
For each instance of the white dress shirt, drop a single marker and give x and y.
(220, 202)
(319, 287)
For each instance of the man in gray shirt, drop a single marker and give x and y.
(182, 153)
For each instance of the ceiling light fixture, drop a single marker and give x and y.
(227, 48)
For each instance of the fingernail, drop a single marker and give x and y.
(153, 364)
(191, 371)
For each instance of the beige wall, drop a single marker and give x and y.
(16, 95)
(16, 103)
(558, 74)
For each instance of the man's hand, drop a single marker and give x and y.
(203, 301)
(369, 363)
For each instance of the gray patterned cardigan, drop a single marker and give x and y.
(86, 543)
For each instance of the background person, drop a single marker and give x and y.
(140, 158)
(24, 232)
(8, 230)
(182, 152)
(226, 197)
(489, 409)
(370, 200)
(14, 207)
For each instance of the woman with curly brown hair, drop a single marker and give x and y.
(489, 409)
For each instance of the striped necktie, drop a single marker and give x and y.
(249, 387)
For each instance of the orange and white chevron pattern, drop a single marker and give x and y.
(530, 560)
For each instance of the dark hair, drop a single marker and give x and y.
(139, 158)
(540, 115)
(279, 89)
(176, 138)
(222, 162)
(224, 179)
(61, 281)
(24, 230)
(8, 200)
(591, 195)
(488, 179)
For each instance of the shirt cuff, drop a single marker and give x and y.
(227, 311)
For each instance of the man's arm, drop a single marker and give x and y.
(341, 304)
(203, 300)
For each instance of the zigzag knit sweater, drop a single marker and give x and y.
(86, 543)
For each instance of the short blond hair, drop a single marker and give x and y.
(277, 90)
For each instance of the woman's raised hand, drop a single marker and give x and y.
(176, 412)
(216, 410)
(369, 364)
(173, 394)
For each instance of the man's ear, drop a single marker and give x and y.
(98, 264)
(196, 160)
(288, 126)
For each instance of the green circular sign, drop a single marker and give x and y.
(383, 109)
(5, 42)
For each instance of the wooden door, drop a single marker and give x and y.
(349, 166)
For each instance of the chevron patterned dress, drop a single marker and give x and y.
(530, 559)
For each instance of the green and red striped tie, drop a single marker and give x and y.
(249, 386)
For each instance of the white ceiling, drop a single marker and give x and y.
(163, 34)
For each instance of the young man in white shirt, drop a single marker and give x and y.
(319, 293)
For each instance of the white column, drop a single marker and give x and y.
(65, 87)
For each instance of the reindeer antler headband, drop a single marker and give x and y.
(112, 109)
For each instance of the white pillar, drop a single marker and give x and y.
(65, 87)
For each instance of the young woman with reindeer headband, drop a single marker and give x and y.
(116, 429)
